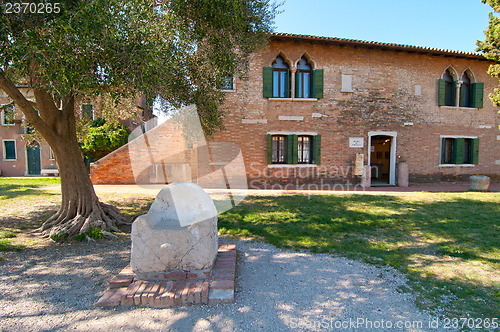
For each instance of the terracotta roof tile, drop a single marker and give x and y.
(386, 46)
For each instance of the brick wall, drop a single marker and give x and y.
(143, 159)
(383, 99)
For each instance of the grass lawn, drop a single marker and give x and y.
(447, 243)
(25, 203)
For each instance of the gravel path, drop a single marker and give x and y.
(277, 290)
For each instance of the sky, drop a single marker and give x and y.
(446, 24)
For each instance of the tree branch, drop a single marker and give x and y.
(27, 107)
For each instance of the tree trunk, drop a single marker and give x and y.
(80, 209)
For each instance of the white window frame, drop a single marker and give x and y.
(3, 119)
(4, 150)
(441, 150)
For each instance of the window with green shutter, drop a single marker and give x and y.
(447, 150)
(305, 145)
(280, 80)
(446, 90)
(465, 91)
(303, 79)
(9, 150)
(293, 149)
(278, 146)
(459, 150)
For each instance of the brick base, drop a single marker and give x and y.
(126, 289)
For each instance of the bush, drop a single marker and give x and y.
(102, 139)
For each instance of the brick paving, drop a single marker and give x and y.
(178, 288)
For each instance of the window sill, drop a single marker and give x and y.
(290, 165)
(459, 108)
(9, 159)
(228, 90)
(347, 91)
(457, 165)
(293, 99)
(8, 124)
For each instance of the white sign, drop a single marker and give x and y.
(356, 142)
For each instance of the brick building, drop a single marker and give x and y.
(314, 110)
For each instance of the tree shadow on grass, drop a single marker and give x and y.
(12, 188)
(386, 230)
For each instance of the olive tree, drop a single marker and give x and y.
(175, 49)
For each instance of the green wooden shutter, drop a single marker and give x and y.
(317, 149)
(477, 95)
(317, 83)
(475, 151)
(269, 149)
(295, 149)
(267, 82)
(441, 92)
(458, 151)
(292, 153)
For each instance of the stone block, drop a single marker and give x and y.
(479, 182)
(403, 175)
(179, 233)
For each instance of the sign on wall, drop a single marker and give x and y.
(356, 142)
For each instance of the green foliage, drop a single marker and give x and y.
(95, 233)
(7, 235)
(491, 45)
(58, 237)
(6, 245)
(180, 50)
(103, 138)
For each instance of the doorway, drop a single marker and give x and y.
(382, 158)
(33, 154)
